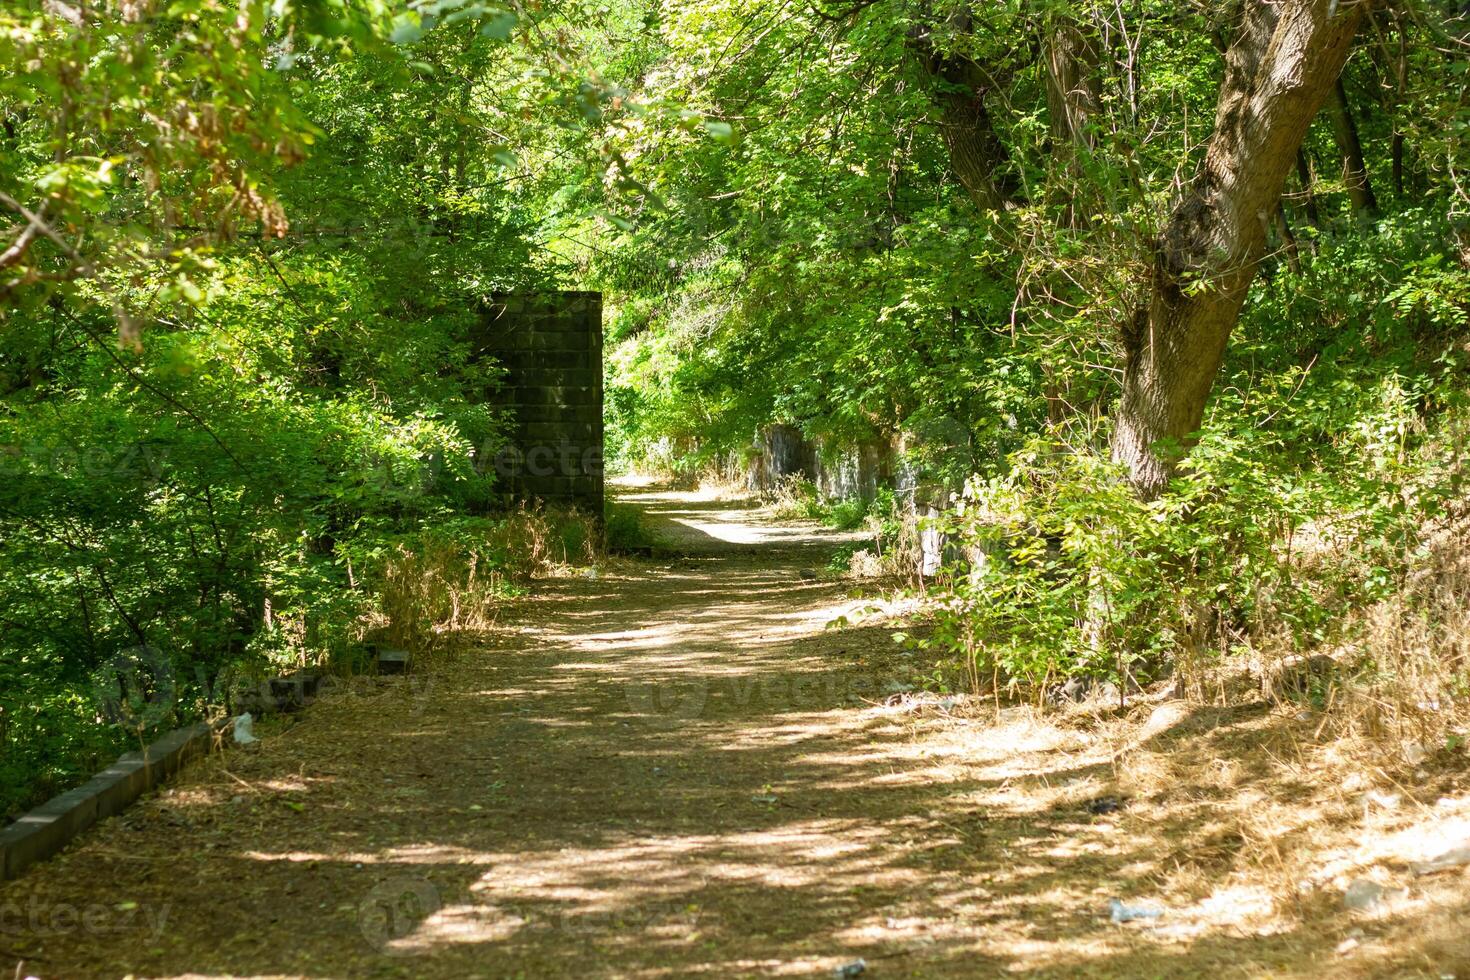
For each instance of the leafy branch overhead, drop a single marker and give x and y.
(1131, 336)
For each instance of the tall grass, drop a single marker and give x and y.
(439, 589)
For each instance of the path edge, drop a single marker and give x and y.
(49, 828)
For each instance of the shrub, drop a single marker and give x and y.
(624, 528)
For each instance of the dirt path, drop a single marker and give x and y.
(675, 769)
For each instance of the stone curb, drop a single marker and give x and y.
(48, 828)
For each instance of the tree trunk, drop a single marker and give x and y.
(1309, 192)
(977, 156)
(1071, 56)
(1288, 240)
(1277, 74)
(1400, 93)
(1354, 168)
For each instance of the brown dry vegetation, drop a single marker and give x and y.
(678, 769)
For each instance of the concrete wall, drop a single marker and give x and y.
(859, 472)
(780, 451)
(551, 346)
(855, 472)
(839, 473)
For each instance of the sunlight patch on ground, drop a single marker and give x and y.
(566, 802)
(1248, 908)
(459, 925)
(724, 530)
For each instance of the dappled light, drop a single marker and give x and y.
(650, 489)
(648, 790)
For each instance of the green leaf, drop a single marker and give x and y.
(500, 25)
(406, 30)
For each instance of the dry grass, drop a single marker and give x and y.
(791, 498)
(444, 592)
(1249, 809)
(723, 486)
(896, 559)
(1287, 779)
(579, 815)
(1395, 686)
(1284, 781)
(1246, 825)
(433, 595)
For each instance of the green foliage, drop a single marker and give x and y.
(243, 416)
(826, 270)
(240, 384)
(847, 515)
(624, 528)
(1319, 468)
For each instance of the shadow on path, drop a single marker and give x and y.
(671, 771)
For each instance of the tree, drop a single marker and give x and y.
(977, 156)
(1279, 71)
(1071, 57)
(1354, 169)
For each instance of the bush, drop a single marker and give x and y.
(623, 526)
(845, 515)
(1069, 573)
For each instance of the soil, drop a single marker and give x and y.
(698, 765)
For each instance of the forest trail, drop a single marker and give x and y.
(675, 769)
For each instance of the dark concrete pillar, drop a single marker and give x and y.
(551, 346)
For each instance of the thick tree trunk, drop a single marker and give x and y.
(1071, 56)
(1354, 167)
(1277, 75)
(977, 156)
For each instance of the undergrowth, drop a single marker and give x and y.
(625, 530)
(432, 591)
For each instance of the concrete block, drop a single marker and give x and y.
(48, 828)
(550, 344)
(169, 754)
(552, 487)
(394, 661)
(585, 379)
(280, 695)
(590, 414)
(295, 691)
(558, 360)
(580, 434)
(121, 783)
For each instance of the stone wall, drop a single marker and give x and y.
(840, 473)
(551, 346)
(856, 472)
(781, 451)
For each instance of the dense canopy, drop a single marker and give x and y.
(1155, 312)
